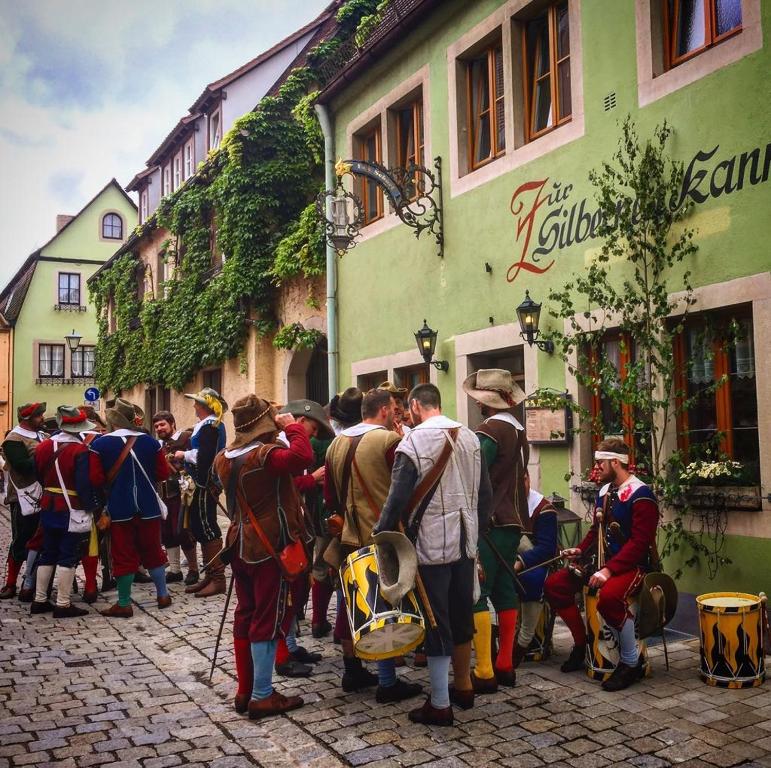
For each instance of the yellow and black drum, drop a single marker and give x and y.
(379, 630)
(731, 629)
(541, 645)
(602, 651)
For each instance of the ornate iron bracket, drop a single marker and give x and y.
(414, 193)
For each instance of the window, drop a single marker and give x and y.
(409, 138)
(546, 42)
(188, 166)
(484, 95)
(112, 227)
(83, 362)
(213, 379)
(692, 26)
(144, 206)
(177, 171)
(368, 146)
(51, 361)
(411, 377)
(215, 130)
(69, 288)
(719, 419)
(167, 180)
(371, 380)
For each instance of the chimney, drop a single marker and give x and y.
(62, 220)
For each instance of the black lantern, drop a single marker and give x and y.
(426, 341)
(529, 313)
(73, 340)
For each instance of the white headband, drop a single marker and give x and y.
(622, 457)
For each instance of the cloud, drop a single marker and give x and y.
(89, 89)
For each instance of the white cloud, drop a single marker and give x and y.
(89, 88)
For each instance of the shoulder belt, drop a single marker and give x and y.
(115, 468)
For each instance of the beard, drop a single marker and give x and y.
(415, 417)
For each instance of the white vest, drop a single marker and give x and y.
(454, 504)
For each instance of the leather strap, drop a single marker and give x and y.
(346, 480)
(115, 468)
(255, 524)
(427, 487)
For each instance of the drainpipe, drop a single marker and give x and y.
(329, 182)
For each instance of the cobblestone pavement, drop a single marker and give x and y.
(95, 691)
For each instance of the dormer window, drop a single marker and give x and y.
(178, 171)
(144, 206)
(215, 129)
(188, 166)
(166, 180)
(112, 227)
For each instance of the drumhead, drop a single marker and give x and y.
(728, 601)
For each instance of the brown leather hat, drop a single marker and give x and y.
(252, 417)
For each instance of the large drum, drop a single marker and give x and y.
(602, 652)
(731, 629)
(379, 630)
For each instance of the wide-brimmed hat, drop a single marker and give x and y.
(73, 420)
(397, 565)
(494, 388)
(208, 397)
(657, 603)
(29, 410)
(252, 417)
(345, 408)
(123, 415)
(389, 386)
(311, 410)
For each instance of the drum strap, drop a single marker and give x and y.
(425, 490)
(346, 482)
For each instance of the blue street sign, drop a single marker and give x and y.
(92, 394)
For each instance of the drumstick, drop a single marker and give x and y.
(551, 560)
(421, 588)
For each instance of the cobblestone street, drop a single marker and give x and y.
(93, 691)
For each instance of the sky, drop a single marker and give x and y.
(90, 88)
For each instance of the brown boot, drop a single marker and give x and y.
(215, 574)
(191, 555)
(275, 704)
(198, 586)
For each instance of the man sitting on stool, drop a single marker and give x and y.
(626, 514)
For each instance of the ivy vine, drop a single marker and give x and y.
(251, 205)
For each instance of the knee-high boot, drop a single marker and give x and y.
(215, 574)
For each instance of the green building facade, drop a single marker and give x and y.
(462, 81)
(48, 299)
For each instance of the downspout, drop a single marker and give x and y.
(329, 183)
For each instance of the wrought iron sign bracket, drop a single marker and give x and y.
(414, 193)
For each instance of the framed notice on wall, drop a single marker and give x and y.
(550, 424)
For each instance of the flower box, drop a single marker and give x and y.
(745, 497)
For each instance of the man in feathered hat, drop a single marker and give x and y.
(257, 474)
(133, 464)
(207, 440)
(70, 473)
(23, 492)
(505, 448)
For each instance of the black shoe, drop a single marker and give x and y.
(69, 612)
(140, 578)
(171, 578)
(397, 692)
(506, 677)
(26, 595)
(355, 681)
(44, 607)
(430, 715)
(321, 630)
(191, 578)
(305, 656)
(462, 699)
(293, 669)
(576, 661)
(623, 676)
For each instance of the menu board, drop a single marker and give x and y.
(547, 426)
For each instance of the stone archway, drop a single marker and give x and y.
(306, 376)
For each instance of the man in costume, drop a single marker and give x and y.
(504, 445)
(69, 473)
(173, 536)
(256, 473)
(399, 393)
(292, 660)
(207, 440)
(538, 544)
(23, 491)
(626, 516)
(440, 485)
(358, 478)
(345, 409)
(133, 464)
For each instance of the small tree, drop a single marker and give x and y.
(628, 287)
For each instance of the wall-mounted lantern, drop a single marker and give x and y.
(529, 313)
(426, 341)
(73, 340)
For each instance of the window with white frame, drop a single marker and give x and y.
(166, 180)
(188, 160)
(51, 361)
(177, 171)
(83, 362)
(144, 206)
(215, 129)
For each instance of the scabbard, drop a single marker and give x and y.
(508, 567)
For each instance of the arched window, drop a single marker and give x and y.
(112, 227)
